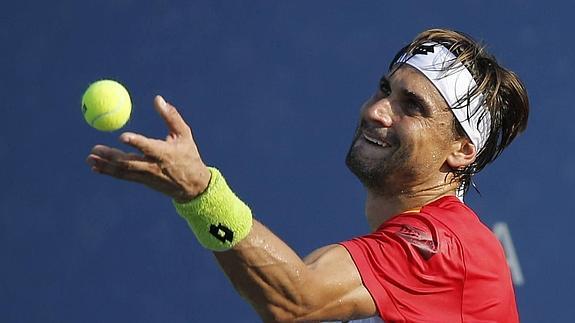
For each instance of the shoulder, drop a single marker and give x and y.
(459, 221)
(442, 228)
(446, 217)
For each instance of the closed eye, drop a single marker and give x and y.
(415, 104)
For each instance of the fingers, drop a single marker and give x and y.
(116, 163)
(130, 167)
(106, 156)
(113, 154)
(157, 148)
(172, 117)
(150, 147)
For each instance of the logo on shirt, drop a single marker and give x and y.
(419, 239)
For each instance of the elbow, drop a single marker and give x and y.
(286, 312)
(297, 303)
(274, 318)
(276, 314)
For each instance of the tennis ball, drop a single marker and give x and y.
(106, 105)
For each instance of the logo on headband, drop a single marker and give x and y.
(423, 50)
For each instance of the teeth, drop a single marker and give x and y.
(375, 141)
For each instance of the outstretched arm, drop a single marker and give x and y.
(279, 284)
(284, 288)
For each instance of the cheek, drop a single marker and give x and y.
(427, 143)
(413, 134)
(438, 149)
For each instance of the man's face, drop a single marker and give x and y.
(404, 135)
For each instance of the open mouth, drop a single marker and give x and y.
(375, 141)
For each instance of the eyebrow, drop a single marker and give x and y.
(418, 99)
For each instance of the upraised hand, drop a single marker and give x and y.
(172, 166)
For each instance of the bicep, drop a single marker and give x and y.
(336, 289)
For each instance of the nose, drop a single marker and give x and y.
(378, 112)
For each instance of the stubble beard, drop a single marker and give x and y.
(386, 176)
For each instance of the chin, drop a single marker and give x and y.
(372, 174)
(386, 175)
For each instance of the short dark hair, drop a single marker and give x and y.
(504, 95)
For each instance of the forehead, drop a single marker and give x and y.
(408, 78)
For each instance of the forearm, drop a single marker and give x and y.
(269, 274)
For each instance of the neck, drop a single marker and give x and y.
(381, 207)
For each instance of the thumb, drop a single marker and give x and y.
(172, 117)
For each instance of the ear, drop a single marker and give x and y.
(463, 154)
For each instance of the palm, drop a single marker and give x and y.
(172, 166)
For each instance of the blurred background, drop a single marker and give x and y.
(272, 90)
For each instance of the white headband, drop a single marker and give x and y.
(454, 82)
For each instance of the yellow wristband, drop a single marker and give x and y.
(218, 218)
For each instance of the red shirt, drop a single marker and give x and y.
(440, 264)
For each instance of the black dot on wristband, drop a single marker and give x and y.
(222, 233)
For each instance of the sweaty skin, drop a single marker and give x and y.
(325, 285)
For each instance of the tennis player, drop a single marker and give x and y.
(443, 111)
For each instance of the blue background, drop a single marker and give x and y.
(272, 91)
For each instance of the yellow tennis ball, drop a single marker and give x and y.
(106, 105)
